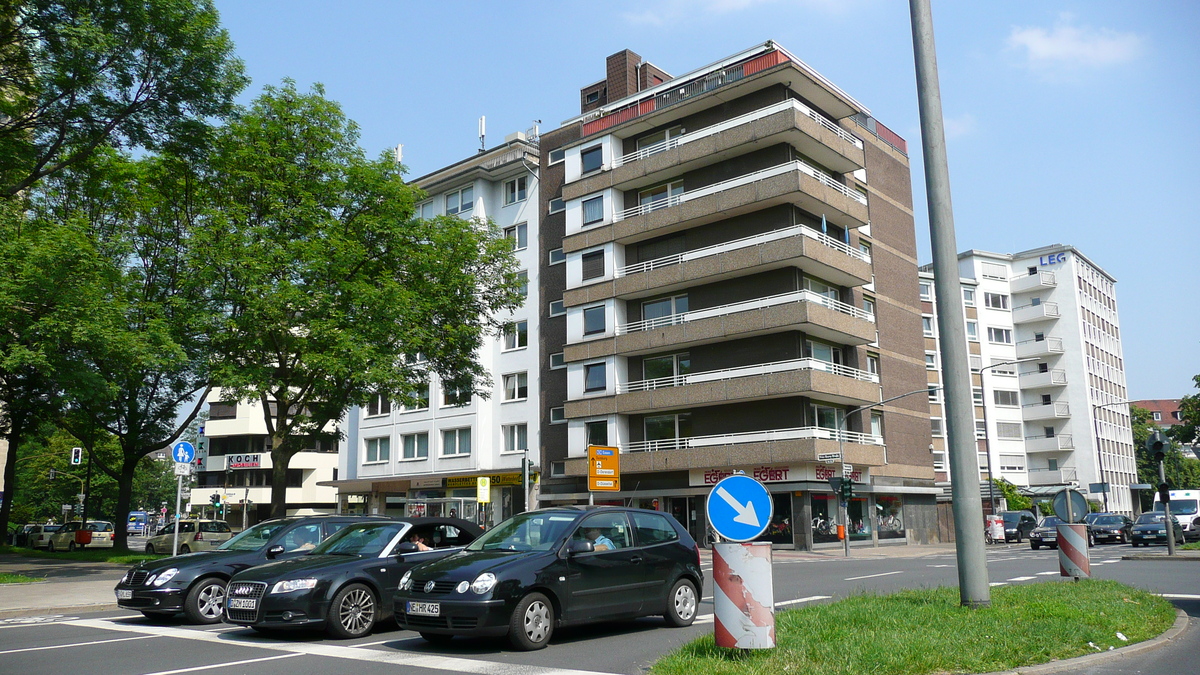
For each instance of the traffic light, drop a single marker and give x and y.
(76, 456)
(214, 499)
(1164, 493)
(1157, 446)
(847, 489)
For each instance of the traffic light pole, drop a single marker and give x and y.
(178, 504)
(1168, 517)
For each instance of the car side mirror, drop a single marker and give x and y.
(577, 547)
(406, 547)
(274, 551)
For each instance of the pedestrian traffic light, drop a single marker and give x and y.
(1157, 446)
(847, 489)
(77, 456)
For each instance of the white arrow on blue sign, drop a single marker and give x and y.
(739, 508)
(183, 452)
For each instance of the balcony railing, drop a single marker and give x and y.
(762, 174)
(1050, 378)
(790, 104)
(765, 436)
(1050, 345)
(1060, 409)
(1042, 310)
(745, 306)
(747, 371)
(745, 242)
(1043, 443)
(1066, 474)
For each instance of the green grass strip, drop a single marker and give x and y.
(917, 632)
(107, 555)
(18, 579)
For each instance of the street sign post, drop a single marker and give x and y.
(739, 508)
(604, 469)
(829, 457)
(483, 489)
(1072, 511)
(184, 454)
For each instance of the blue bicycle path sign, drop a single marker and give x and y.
(739, 508)
(183, 452)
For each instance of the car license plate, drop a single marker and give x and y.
(124, 595)
(243, 603)
(424, 608)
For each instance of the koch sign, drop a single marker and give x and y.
(1053, 258)
(245, 461)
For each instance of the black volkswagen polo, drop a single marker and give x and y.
(339, 584)
(556, 567)
(195, 583)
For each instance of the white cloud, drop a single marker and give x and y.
(957, 127)
(1071, 46)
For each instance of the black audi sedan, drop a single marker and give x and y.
(194, 584)
(345, 584)
(544, 569)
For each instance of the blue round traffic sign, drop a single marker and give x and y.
(183, 452)
(739, 508)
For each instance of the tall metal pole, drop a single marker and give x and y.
(843, 507)
(960, 417)
(178, 504)
(1168, 517)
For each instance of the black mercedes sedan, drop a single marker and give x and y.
(544, 569)
(194, 584)
(345, 584)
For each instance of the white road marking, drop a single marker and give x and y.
(871, 576)
(800, 600)
(223, 665)
(380, 642)
(222, 629)
(73, 644)
(1021, 578)
(1043, 574)
(25, 622)
(998, 583)
(398, 658)
(1113, 561)
(939, 565)
(1178, 596)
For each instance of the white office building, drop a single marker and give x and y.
(427, 460)
(1049, 420)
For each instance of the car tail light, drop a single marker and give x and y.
(199, 537)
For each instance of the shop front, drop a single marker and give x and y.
(438, 496)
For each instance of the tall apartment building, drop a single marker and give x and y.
(1046, 421)
(731, 268)
(426, 460)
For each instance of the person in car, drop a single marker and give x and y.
(420, 542)
(599, 541)
(304, 540)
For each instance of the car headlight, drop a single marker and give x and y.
(166, 576)
(484, 583)
(406, 581)
(462, 586)
(293, 585)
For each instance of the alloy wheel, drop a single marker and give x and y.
(212, 601)
(357, 612)
(685, 601)
(537, 621)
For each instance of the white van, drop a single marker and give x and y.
(1185, 506)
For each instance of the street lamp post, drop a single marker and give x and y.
(1100, 451)
(987, 443)
(841, 434)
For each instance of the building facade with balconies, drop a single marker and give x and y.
(427, 459)
(1047, 367)
(731, 268)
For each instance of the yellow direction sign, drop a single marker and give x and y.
(483, 489)
(604, 469)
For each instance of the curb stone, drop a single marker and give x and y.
(1078, 662)
(73, 609)
(1162, 557)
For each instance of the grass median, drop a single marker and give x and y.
(18, 579)
(918, 632)
(107, 555)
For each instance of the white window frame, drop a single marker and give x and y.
(380, 446)
(514, 382)
(968, 297)
(926, 289)
(561, 154)
(973, 331)
(460, 208)
(556, 308)
(1000, 298)
(561, 358)
(556, 257)
(516, 336)
(558, 415)
(516, 438)
(556, 206)
(516, 233)
(379, 406)
(457, 442)
(518, 185)
(1005, 333)
(415, 445)
(1015, 395)
(931, 330)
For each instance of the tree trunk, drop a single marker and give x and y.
(124, 499)
(15, 433)
(281, 456)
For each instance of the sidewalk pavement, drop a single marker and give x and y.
(70, 586)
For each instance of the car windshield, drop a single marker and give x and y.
(255, 537)
(1108, 520)
(1010, 518)
(526, 532)
(1147, 518)
(51, 528)
(100, 527)
(1051, 521)
(364, 539)
(1183, 507)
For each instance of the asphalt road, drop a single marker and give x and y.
(121, 642)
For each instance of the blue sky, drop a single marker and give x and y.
(1068, 122)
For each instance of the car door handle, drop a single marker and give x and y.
(636, 560)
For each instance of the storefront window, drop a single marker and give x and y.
(824, 522)
(779, 531)
(860, 524)
(889, 508)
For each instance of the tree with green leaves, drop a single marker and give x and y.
(1188, 429)
(79, 75)
(328, 280)
(1183, 473)
(1012, 494)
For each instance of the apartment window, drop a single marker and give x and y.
(558, 468)
(591, 159)
(557, 156)
(994, 271)
(557, 361)
(594, 377)
(933, 393)
(592, 97)
(593, 210)
(593, 265)
(556, 206)
(869, 305)
(1048, 432)
(593, 320)
(1012, 463)
(596, 432)
(976, 363)
(557, 257)
(453, 396)
(1032, 271)
(1008, 369)
(1007, 398)
(649, 141)
(864, 247)
(877, 424)
(660, 196)
(519, 234)
(663, 308)
(514, 190)
(416, 446)
(1000, 335)
(968, 297)
(927, 325)
(422, 402)
(425, 211)
(973, 331)
(931, 360)
(926, 290)
(1175, 414)
(456, 441)
(516, 437)
(516, 387)
(671, 366)
(980, 429)
(1009, 431)
(667, 429)
(460, 201)
(558, 415)
(378, 450)
(977, 395)
(935, 426)
(516, 335)
(1046, 400)
(822, 352)
(380, 405)
(1045, 368)
(873, 364)
(995, 301)
(523, 283)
